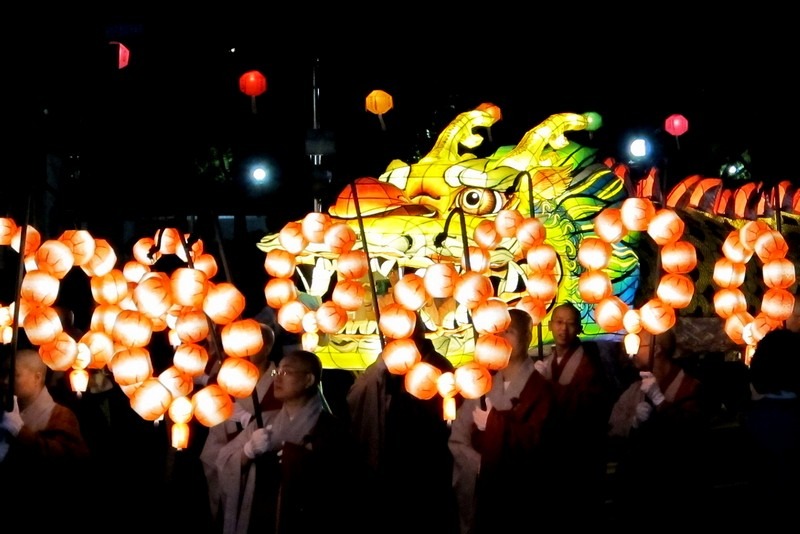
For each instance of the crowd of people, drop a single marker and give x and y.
(584, 437)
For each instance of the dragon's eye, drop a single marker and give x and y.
(479, 201)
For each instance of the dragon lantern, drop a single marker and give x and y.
(416, 216)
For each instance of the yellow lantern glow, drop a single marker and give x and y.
(421, 380)
(631, 342)
(400, 355)
(179, 436)
(78, 380)
(238, 377)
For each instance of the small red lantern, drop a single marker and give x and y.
(253, 83)
(677, 125)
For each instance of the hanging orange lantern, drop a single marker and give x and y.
(132, 329)
(224, 303)
(594, 253)
(290, 316)
(60, 353)
(40, 287)
(179, 436)
(632, 321)
(190, 358)
(485, 234)
(770, 245)
(8, 227)
(353, 264)
(180, 410)
(675, 290)
(478, 260)
(349, 294)
(178, 383)
(42, 325)
(734, 326)
(253, 83)
(530, 232)
(778, 273)
(636, 213)
(492, 351)
(473, 380)
(608, 225)
(208, 264)
(410, 292)
(400, 355)
(212, 405)
(191, 326)
(110, 288)
(446, 385)
(777, 303)
(609, 313)
(32, 240)
(131, 366)
(542, 259)
(279, 291)
(143, 249)
(421, 380)
(397, 322)
(55, 257)
(533, 307)
(151, 400)
(491, 316)
(100, 346)
(242, 338)
(657, 316)
(238, 377)
(279, 263)
(735, 249)
(472, 289)
(750, 231)
(440, 280)
(665, 227)
(728, 273)
(103, 259)
(188, 286)
(507, 221)
(542, 287)
(103, 317)
(631, 342)
(78, 380)
(379, 102)
(678, 257)
(331, 317)
(314, 226)
(729, 301)
(291, 237)
(339, 238)
(594, 286)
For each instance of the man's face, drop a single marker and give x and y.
(26, 383)
(565, 326)
(291, 379)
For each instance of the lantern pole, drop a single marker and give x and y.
(532, 212)
(369, 264)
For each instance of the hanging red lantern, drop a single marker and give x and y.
(253, 83)
(676, 125)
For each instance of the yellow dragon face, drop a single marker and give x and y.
(415, 215)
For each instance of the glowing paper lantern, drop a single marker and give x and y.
(290, 316)
(678, 257)
(657, 316)
(675, 290)
(594, 253)
(734, 326)
(42, 325)
(410, 292)
(191, 326)
(676, 125)
(60, 353)
(632, 321)
(609, 313)
(349, 294)
(631, 342)
(533, 307)
(594, 286)
(491, 316)
(291, 237)
(485, 234)
(110, 288)
(339, 238)
(242, 338)
(492, 351)
(132, 328)
(32, 240)
(100, 346)
(478, 260)
(440, 280)
(446, 385)
(778, 273)
(608, 225)
(379, 102)
(145, 251)
(180, 410)
(507, 221)
(8, 227)
(777, 303)
(224, 303)
(770, 245)
(473, 380)
(40, 287)
(542, 287)
(151, 400)
(728, 273)
(735, 249)
(131, 366)
(729, 301)
(665, 227)
(314, 226)
(208, 264)
(55, 257)
(636, 213)
(78, 380)
(400, 355)
(179, 435)
(103, 317)
(103, 259)
(397, 322)
(238, 377)
(530, 232)
(542, 259)
(331, 317)
(190, 358)
(178, 383)
(353, 264)
(279, 291)
(421, 380)
(253, 83)
(189, 286)
(750, 231)
(472, 289)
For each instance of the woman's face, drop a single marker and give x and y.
(291, 379)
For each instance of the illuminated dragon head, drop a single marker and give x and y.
(416, 215)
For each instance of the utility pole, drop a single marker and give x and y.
(319, 143)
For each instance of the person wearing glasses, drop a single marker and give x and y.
(295, 472)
